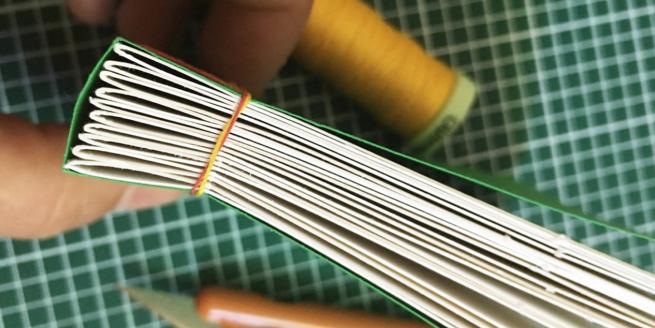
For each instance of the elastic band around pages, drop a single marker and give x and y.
(199, 187)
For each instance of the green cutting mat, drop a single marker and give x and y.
(566, 102)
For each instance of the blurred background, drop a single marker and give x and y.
(566, 103)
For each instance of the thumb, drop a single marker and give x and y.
(37, 199)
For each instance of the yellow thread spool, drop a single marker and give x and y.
(347, 43)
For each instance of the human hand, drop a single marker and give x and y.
(242, 41)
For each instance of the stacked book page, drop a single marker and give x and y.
(446, 256)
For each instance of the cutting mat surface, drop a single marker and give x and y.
(566, 103)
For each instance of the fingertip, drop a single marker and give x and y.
(93, 12)
(247, 41)
(153, 22)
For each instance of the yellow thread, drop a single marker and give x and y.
(201, 183)
(347, 43)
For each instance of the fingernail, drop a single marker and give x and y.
(93, 12)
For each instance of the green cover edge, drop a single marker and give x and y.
(500, 184)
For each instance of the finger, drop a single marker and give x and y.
(154, 23)
(94, 12)
(37, 199)
(247, 41)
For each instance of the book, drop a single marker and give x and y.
(449, 258)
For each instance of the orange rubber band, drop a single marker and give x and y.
(199, 187)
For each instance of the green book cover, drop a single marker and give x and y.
(499, 184)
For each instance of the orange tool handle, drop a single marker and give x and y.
(235, 309)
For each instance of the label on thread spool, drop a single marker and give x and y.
(447, 120)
